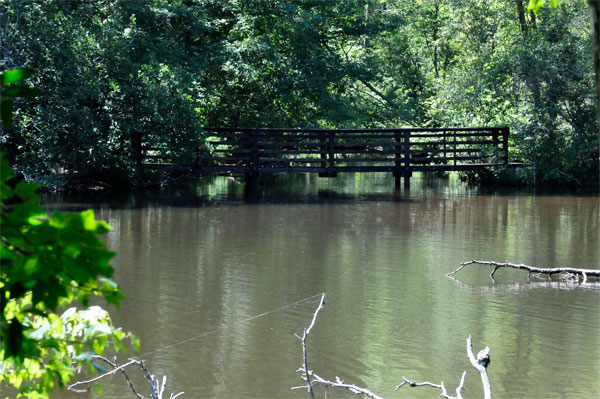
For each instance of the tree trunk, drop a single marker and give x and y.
(531, 79)
(595, 20)
(522, 20)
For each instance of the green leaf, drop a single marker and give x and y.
(31, 266)
(98, 389)
(535, 5)
(6, 111)
(68, 313)
(27, 191)
(135, 341)
(6, 172)
(87, 218)
(21, 91)
(40, 332)
(15, 75)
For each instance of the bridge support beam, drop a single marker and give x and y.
(406, 177)
(251, 182)
(328, 174)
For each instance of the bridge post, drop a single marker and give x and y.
(505, 132)
(252, 175)
(397, 159)
(322, 149)
(329, 155)
(137, 153)
(407, 172)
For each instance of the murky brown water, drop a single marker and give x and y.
(216, 287)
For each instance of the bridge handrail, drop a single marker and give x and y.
(399, 150)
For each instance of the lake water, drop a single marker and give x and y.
(217, 283)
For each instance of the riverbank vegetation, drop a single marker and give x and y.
(110, 69)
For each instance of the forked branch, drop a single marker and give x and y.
(480, 363)
(307, 373)
(312, 378)
(585, 273)
(157, 387)
(441, 386)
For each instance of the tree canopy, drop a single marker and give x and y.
(169, 67)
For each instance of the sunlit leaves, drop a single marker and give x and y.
(536, 5)
(15, 75)
(47, 263)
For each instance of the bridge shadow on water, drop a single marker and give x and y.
(272, 189)
(305, 188)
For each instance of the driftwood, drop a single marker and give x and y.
(157, 387)
(585, 273)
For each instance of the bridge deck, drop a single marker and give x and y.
(328, 152)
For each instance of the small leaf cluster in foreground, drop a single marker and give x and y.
(47, 265)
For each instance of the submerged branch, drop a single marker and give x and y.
(585, 273)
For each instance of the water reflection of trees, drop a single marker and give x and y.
(382, 262)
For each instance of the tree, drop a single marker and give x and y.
(164, 69)
(47, 264)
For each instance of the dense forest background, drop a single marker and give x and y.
(166, 68)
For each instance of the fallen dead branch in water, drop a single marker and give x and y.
(585, 273)
(157, 387)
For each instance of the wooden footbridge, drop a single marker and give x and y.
(253, 151)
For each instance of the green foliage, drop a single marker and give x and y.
(8, 94)
(536, 5)
(47, 263)
(166, 68)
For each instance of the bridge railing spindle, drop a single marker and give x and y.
(505, 132)
(331, 152)
(407, 171)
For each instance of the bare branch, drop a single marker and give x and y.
(113, 371)
(157, 388)
(585, 273)
(316, 379)
(441, 386)
(306, 371)
(461, 386)
(480, 363)
(115, 365)
(340, 384)
(480, 366)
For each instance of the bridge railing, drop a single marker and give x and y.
(330, 151)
